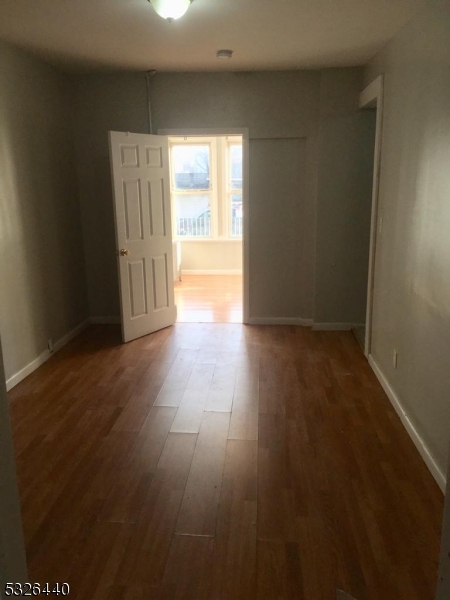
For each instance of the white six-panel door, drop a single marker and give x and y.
(141, 189)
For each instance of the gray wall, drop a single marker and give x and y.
(412, 276)
(102, 103)
(277, 196)
(344, 200)
(283, 113)
(272, 105)
(43, 287)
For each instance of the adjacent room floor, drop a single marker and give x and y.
(221, 462)
(209, 299)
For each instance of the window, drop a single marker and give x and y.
(206, 187)
(191, 189)
(234, 188)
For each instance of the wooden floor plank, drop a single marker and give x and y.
(343, 499)
(244, 423)
(124, 502)
(276, 506)
(190, 413)
(148, 549)
(95, 568)
(209, 299)
(280, 571)
(189, 572)
(235, 546)
(198, 513)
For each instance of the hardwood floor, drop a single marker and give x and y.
(221, 462)
(209, 299)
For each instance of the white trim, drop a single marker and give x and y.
(368, 98)
(279, 321)
(44, 356)
(202, 240)
(412, 431)
(244, 132)
(70, 336)
(203, 131)
(105, 320)
(333, 326)
(372, 97)
(246, 230)
(32, 366)
(211, 271)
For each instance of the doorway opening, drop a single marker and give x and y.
(371, 98)
(207, 202)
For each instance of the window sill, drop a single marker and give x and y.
(202, 239)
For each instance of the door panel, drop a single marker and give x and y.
(133, 210)
(138, 288)
(140, 175)
(157, 217)
(160, 280)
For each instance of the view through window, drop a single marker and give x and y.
(206, 187)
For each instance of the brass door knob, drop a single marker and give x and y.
(124, 252)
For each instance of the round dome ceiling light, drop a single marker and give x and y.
(170, 9)
(224, 53)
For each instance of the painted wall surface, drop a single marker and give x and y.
(102, 103)
(43, 286)
(277, 175)
(344, 199)
(412, 270)
(287, 113)
(272, 105)
(216, 255)
(276, 107)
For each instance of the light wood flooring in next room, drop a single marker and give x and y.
(209, 299)
(221, 462)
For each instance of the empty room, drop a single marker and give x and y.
(224, 299)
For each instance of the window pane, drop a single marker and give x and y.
(192, 214)
(191, 167)
(236, 167)
(236, 215)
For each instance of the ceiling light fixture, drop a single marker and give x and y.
(170, 9)
(224, 53)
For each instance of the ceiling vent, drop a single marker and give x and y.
(224, 53)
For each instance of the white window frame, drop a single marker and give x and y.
(229, 191)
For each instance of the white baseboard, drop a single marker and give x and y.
(105, 320)
(412, 431)
(280, 321)
(42, 358)
(333, 326)
(211, 272)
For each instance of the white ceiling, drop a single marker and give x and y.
(81, 35)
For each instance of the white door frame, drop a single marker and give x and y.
(244, 132)
(372, 97)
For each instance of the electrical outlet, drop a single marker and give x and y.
(395, 359)
(50, 345)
